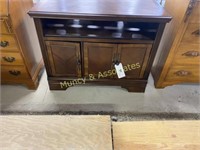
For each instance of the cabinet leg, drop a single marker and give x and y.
(164, 84)
(32, 85)
(134, 88)
(56, 87)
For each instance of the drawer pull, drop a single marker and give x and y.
(14, 72)
(182, 73)
(191, 54)
(4, 43)
(189, 9)
(9, 59)
(196, 33)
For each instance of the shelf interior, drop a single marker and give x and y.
(99, 29)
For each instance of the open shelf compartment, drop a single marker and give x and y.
(99, 29)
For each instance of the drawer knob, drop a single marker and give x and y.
(4, 43)
(14, 72)
(9, 59)
(189, 9)
(182, 73)
(191, 54)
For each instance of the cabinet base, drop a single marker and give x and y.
(29, 83)
(130, 85)
(138, 88)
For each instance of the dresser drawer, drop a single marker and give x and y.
(13, 72)
(11, 58)
(192, 33)
(194, 18)
(8, 42)
(4, 26)
(187, 54)
(184, 73)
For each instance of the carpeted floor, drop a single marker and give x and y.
(119, 117)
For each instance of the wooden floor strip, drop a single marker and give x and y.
(94, 133)
(55, 132)
(157, 135)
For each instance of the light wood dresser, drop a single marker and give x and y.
(178, 57)
(21, 59)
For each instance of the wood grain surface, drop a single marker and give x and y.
(182, 30)
(120, 8)
(157, 135)
(55, 132)
(4, 7)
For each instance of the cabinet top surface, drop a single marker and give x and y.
(132, 9)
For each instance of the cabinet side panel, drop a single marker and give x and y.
(169, 39)
(25, 32)
(43, 47)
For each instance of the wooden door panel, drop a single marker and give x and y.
(64, 58)
(134, 58)
(98, 59)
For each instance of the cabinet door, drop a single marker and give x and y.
(64, 58)
(98, 59)
(134, 58)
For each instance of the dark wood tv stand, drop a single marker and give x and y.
(81, 40)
